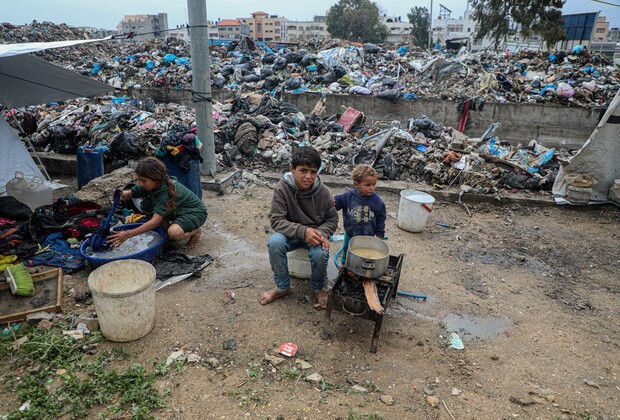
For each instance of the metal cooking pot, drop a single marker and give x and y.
(367, 267)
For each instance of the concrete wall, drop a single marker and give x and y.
(550, 125)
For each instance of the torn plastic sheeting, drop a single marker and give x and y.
(340, 56)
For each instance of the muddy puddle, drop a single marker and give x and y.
(471, 328)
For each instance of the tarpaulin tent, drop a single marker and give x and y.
(599, 158)
(27, 80)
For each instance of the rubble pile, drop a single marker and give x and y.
(571, 78)
(260, 132)
(39, 32)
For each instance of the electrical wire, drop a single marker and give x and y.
(79, 95)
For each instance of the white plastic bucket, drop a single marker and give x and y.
(124, 297)
(299, 264)
(414, 209)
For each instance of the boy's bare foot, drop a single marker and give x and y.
(321, 298)
(269, 296)
(193, 240)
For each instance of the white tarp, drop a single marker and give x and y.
(599, 157)
(14, 157)
(7, 50)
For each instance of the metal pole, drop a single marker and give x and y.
(430, 27)
(201, 82)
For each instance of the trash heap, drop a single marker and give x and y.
(567, 78)
(39, 32)
(257, 131)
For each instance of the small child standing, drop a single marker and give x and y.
(363, 211)
(167, 202)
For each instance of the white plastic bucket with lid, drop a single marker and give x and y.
(299, 264)
(414, 209)
(124, 298)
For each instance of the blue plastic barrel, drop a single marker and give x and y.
(191, 178)
(89, 163)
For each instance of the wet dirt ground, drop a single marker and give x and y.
(532, 293)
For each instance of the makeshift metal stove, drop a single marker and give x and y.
(348, 296)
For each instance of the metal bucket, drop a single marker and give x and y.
(363, 266)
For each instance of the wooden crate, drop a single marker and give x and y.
(16, 308)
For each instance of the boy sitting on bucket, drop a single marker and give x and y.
(302, 216)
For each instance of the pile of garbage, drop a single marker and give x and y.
(258, 131)
(569, 78)
(39, 32)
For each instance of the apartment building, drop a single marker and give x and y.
(307, 30)
(265, 27)
(145, 27)
(232, 29)
(399, 31)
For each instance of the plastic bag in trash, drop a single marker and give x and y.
(279, 63)
(125, 146)
(271, 82)
(389, 94)
(292, 83)
(251, 78)
(269, 58)
(265, 72)
(371, 48)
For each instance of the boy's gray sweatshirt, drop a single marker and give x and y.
(292, 211)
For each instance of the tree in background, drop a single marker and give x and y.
(498, 19)
(493, 18)
(356, 20)
(549, 24)
(420, 20)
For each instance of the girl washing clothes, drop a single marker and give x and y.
(168, 203)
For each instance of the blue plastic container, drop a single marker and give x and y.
(191, 178)
(89, 163)
(147, 255)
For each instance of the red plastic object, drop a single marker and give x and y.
(288, 349)
(350, 117)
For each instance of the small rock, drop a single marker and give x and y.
(193, 358)
(230, 344)
(75, 334)
(387, 399)
(592, 383)
(523, 402)
(38, 316)
(432, 401)
(315, 377)
(359, 388)
(550, 398)
(521, 258)
(213, 362)
(429, 390)
(456, 392)
(274, 360)
(61, 371)
(606, 339)
(44, 325)
(175, 355)
(494, 357)
(420, 343)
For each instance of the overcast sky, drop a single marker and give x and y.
(107, 13)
